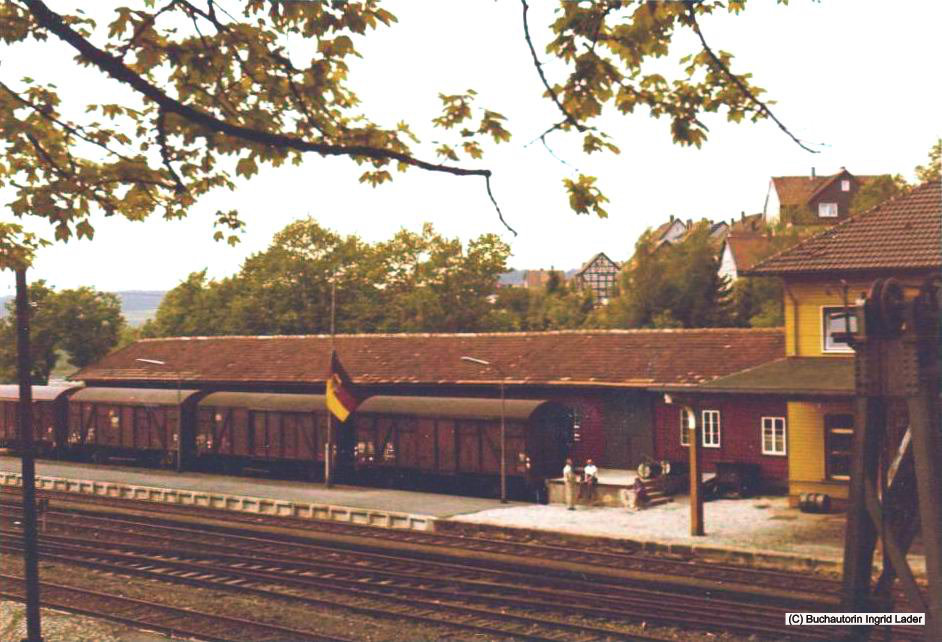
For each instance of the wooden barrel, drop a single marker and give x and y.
(647, 470)
(814, 502)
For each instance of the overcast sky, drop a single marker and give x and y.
(858, 79)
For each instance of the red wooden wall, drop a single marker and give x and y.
(740, 433)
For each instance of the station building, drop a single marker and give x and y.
(814, 381)
(606, 378)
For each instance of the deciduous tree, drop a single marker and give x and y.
(210, 94)
(876, 191)
(932, 170)
(415, 282)
(669, 286)
(82, 324)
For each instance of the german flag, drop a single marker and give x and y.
(340, 398)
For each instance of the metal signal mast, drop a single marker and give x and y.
(896, 466)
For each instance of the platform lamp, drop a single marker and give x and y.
(503, 426)
(158, 362)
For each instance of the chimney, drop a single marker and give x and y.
(812, 172)
(672, 218)
(742, 215)
(689, 223)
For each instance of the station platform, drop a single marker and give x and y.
(760, 531)
(356, 504)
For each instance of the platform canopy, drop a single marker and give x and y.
(789, 376)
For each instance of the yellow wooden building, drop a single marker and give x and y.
(901, 238)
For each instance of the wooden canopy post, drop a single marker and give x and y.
(691, 408)
(696, 477)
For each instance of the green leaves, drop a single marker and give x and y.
(208, 85)
(412, 282)
(84, 323)
(584, 196)
(246, 167)
(17, 248)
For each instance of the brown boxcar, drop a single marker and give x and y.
(133, 423)
(458, 440)
(246, 428)
(49, 411)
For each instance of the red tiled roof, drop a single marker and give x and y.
(903, 233)
(746, 249)
(624, 358)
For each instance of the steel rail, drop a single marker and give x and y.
(147, 615)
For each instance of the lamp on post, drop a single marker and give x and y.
(503, 426)
(158, 362)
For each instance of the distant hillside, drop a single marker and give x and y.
(137, 306)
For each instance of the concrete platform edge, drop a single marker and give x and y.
(239, 503)
(701, 552)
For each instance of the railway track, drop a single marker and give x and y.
(463, 591)
(368, 598)
(645, 566)
(160, 618)
(467, 586)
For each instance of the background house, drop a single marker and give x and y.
(740, 251)
(812, 200)
(598, 274)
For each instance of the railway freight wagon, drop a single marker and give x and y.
(49, 413)
(132, 423)
(455, 443)
(235, 430)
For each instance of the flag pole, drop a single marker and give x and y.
(329, 445)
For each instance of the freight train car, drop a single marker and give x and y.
(457, 442)
(441, 443)
(49, 418)
(132, 424)
(236, 430)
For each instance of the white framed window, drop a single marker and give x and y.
(773, 436)
(684, 430)
(845, 185)
(836, 320)
(827, 210)
(711, 428)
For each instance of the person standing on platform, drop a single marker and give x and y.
(569, 481)
(590, 479)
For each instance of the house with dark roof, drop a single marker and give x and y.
(604, 377)
(812, 200)
(900, 238)
(598, 274)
